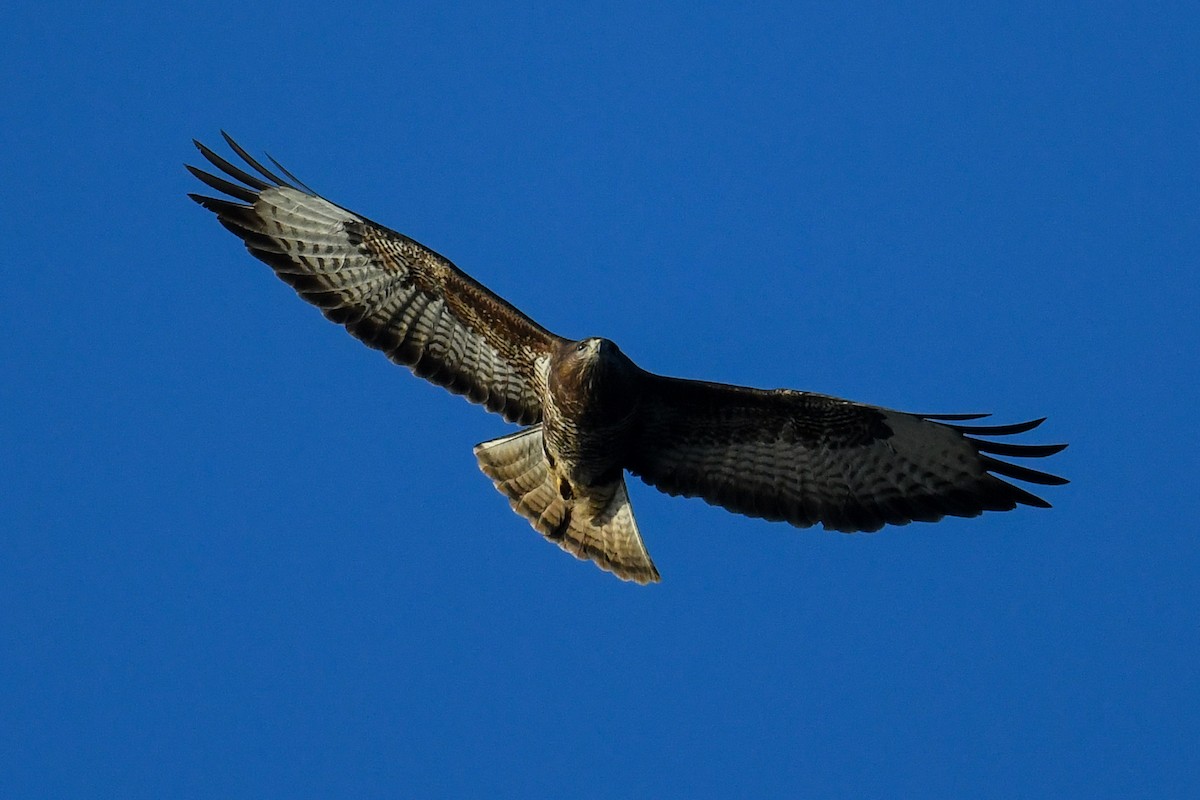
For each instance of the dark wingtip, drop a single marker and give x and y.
(999, 430)
(221, 206)
(1027, 498)
(299, 183)
(953, 417)
(1016, 450)
(253, 162)
(222, 185)
(986, 449)
(233, 171)
(1021, 473)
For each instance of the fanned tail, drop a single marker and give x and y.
(597, 526)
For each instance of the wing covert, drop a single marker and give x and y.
(387, 290)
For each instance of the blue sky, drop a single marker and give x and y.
(243, 556)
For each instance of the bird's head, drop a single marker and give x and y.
(595, 356)
(593, 366)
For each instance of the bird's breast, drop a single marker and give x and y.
(588, 411)
(588, 449)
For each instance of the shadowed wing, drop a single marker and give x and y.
(389, 291)
(808, 458)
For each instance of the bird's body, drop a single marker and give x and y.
(592, 414)
(589, 410)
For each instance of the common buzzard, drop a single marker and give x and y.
(589, 414)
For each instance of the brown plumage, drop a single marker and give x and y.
(592, 413)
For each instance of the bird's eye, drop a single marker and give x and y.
(581, 346)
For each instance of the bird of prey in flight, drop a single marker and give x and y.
(589, 414)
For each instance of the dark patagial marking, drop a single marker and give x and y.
(834, 427)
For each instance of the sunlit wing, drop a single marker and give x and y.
(390, 292)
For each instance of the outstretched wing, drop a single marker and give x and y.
(808, 458)
(389, 291)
